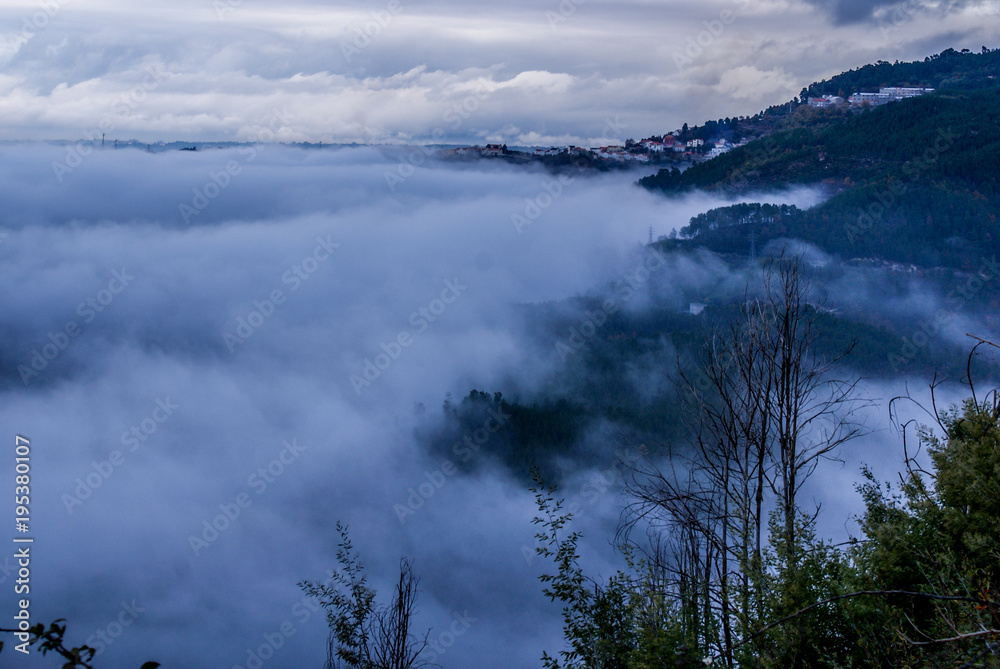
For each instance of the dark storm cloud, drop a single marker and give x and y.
(856, 11)
(852, 11)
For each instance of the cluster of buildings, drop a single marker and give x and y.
(631, 151)
(471, 151)
(885, 94)
(648, 149)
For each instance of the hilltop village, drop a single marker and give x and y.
(689, 145)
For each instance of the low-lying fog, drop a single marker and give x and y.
(190, 334)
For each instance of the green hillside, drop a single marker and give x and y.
(914, 181)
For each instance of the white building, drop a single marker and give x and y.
(826, 101)
(888, 94)
(900, 93)
(719, 149)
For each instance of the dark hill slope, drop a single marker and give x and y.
(912, 181)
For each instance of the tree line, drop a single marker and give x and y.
(728, 570)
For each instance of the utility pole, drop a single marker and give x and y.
(651, 234)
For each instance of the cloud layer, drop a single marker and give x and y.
(219, 354)
(173, 369)
(392, 72)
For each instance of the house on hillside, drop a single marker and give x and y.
(720, 147)
(610, 153)
(826, 101)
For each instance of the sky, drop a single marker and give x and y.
(521, 72)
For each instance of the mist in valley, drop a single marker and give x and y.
(270, 334)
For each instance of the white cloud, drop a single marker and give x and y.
(748, 83)
(606, 59)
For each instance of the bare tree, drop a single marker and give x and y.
(363, 634)
(765, 409)
(811, 409)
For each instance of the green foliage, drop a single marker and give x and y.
(967, 485)
(948, 69)
(796, 576)
(915, 181)
(623, 623)
(728, 226)
(938, 534)
(349, 604)
(519, 434)
(363, 634)
(50, 640)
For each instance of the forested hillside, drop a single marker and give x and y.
(949, 69)
(912, 181)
